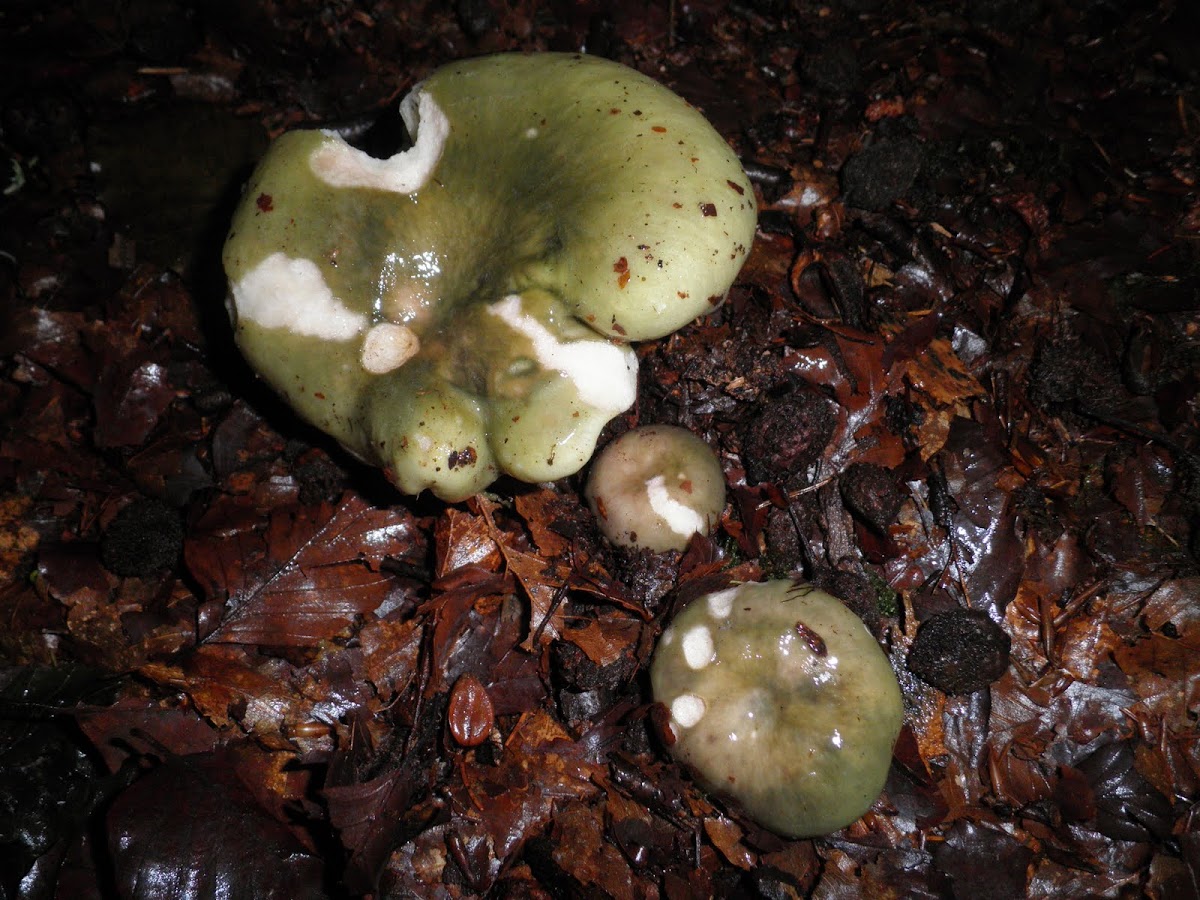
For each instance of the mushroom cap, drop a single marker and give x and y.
(654, 487)
(460, 309)
(780, 699)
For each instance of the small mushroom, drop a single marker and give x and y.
(463, 308)
(780, 699)
(654, 487)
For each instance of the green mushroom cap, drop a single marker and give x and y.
(462, 309)
(654, 487)
(780, 699)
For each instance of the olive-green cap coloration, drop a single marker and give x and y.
(781, 699)
(463, 309)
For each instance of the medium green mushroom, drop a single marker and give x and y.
(463, 309)
(781, 699)
(654, 487)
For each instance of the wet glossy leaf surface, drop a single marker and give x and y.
(957, 382)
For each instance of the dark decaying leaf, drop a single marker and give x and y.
(49, 784)
(983, 863)
(304, 576)
(1120, 801)
(187, 829)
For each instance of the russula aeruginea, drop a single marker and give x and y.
(780, 699)
(654, 487)
(463, 308)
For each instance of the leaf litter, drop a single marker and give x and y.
(233, 656)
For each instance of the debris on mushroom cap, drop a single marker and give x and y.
(656, 486)
(461, 309)
(780, 699)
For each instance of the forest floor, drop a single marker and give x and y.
(957, 378)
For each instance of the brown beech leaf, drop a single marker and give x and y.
(229, 688)
(983, 862)
(456, 622)
(989, 556)
(366, 816)
(941, 375)
(129, 722)
(1141, 484)
(604, 641)
(845, 878)
(1164, 674)
(1085, 643)
(17, 539)
(578, 849)
(1174, 604)
(541, 767)
(462, 539)
(53, 339)
(390, 651)
(131, 397)
(549, 514)
(942, 386)
(1019, 737)
(543, 580)
(242, 444)
(305, 575)
(855, 368)
(544, 583)
(588, 576)
(727, 837)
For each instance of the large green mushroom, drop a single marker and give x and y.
(463, 309)
(780, 698)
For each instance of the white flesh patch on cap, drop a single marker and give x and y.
(281, 292)
(680, 517)
(720, 603)
(337, 163)
(605, 375)
(698, 647)
(688, 709)
(387, 347)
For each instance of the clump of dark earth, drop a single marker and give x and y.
(959, 652)
(786, 436)
(879, 174)
(145, 537)
(872, 495)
